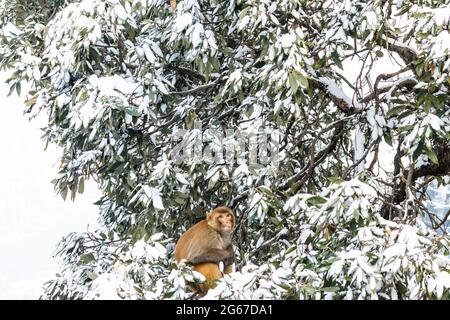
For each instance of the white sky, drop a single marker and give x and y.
(33, 219)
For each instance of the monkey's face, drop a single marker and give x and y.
(221, 219)
(225, 221)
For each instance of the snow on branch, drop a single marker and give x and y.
(406, 52)
(337, 95)
(198, 89)
(406, 82)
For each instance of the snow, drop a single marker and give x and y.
(120, 12)
(10, 30)
(435, 122)
(287, 40)
(441, 45)
(142, 250)
(113, 85)
(408, 235)
(400, 44)
(441, 15)
(394, 85)
(155, 196)
(359, 150)
(336, 268)
(182, 178)
(85, 157)
(399, 3)
(365, 234)
(372, 19)
(442, 281)
(334, 90)
(105, 287)
(182, 21)
(196, 34)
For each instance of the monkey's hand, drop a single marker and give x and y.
(214, 255)
(184, 262)
(229, 257)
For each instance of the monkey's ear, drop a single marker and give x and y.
(208, 214)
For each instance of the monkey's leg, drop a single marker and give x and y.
(211, 272)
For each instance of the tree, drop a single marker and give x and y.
(348, 99)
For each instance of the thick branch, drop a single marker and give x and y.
(405, 52)
(186, 72)
(440, 169)
(385, 76)
(339, 98)
(297, 180)
(408, 83)
(198, 89)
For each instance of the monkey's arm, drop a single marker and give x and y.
(214, 255)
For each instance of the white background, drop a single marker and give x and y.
(33, 219)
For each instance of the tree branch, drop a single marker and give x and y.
(198, 89)
(186, 72)
(405, 52)
(339, 98)
(385, 76)
(301, 177)
(440, 169)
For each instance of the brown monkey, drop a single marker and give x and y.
(208, 243)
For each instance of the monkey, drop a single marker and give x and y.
(208, 243)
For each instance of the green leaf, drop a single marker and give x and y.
(432, 155)
(335, 180)
(64, 193)
(138, 234)
(388, 138)
(81, 185)
(330, 289)
(293, 82)
(91, 274)
(419, 69)
(275, 220)
(401, 288)
(132, 112)
(418, 151)
(211, 183)
(405, 114)
(31, 101)
(337, 59)
(86, 258)
(316, 200)
(254, 168)
(243, 13)
(11, 89)
(396, 110)
(303, 80)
